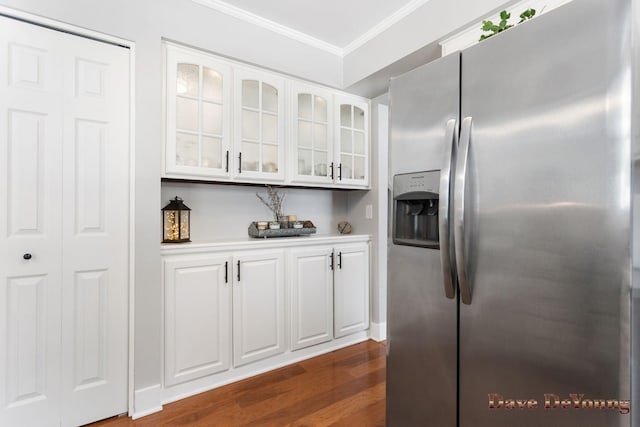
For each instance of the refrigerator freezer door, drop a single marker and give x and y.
(422, 321)
(547, 219)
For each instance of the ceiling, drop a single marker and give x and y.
(341, 25)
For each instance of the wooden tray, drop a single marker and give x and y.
(282, 232)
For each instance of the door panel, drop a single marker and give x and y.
(90, 176)
(351, 289)
(547, 218)
(198, 317)
(352, 141)
(311, 287)
(95, 231)
(30, 217)
(312, 141)
(26, 340)
(26, 151)
(199, 137)
(258, 306)
(89, 310)
(259, 126)
(422, 321)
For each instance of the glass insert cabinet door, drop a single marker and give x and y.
(352, 154)
(312, 134)
(259, 131)
(198, 99)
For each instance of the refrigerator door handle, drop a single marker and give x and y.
(451, 142)
(458, 216)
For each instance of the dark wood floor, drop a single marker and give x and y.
(342, 388)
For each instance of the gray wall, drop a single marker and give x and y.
(377, 197)
(146, 22)
(225, 211)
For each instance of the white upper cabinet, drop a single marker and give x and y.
(233, 123)
(198, 122)
(259, 125)
(311, 119)
(352, 141)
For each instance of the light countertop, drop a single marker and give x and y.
(248, 243)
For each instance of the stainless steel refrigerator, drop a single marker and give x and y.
(510, 241)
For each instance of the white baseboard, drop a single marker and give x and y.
(147, 401)
(378, 331)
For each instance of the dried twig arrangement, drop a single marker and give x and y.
(275, 201)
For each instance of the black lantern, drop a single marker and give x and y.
(176, 222)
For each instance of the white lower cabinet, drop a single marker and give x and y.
(329, 289)
(311, 292)
(351, 289)
(197, 316)
(226, 308)
(258, 306)
(200, 292)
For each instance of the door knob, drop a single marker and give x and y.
(26, 256)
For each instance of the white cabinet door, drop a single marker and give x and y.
(311, 130)
(64, 150)
(310, 277)
(351, 289)
(197, 316)
(258, 305)
(198, 122)
(352, 141)
(259, 126)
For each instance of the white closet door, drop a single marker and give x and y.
(95, 230)
(64, 151)
(30, 218)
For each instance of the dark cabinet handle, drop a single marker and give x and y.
(226, 272)
(331, 167)
(27, 256)
(227, 161)
(238, 270)
(340, 171)
(331, 263)
(340, 260)
(239, 162)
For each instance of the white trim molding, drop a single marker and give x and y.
(147, 401)
(378, 331)
(299, 36)
(383, 25)
(283, 30)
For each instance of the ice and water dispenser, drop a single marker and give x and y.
(415, 209)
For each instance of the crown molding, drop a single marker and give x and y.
(383, 25)
(283, 30)
(252, 18)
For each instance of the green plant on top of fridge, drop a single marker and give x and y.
(494, 29)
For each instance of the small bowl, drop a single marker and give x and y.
(274, 226)
(297, 225)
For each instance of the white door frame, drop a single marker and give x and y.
(83, 32)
